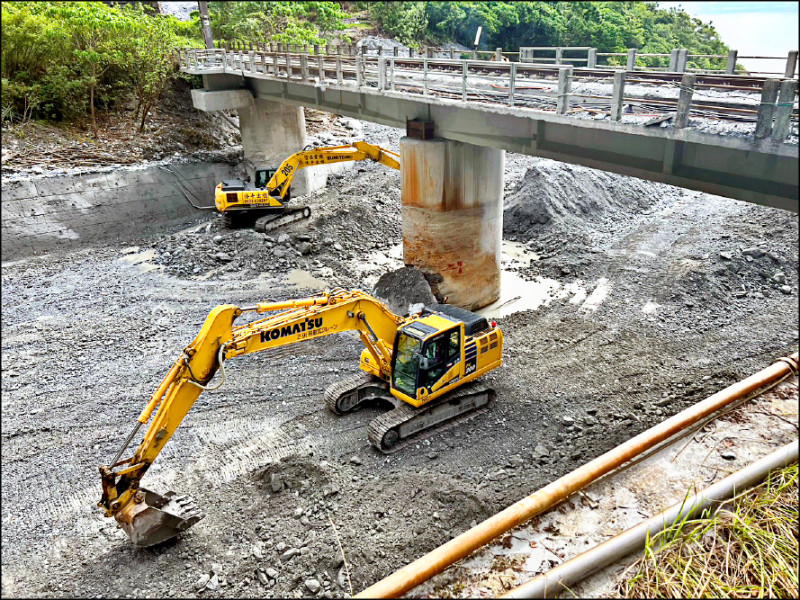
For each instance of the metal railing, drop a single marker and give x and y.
(679, 58)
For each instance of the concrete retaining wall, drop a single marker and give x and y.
(47, 213)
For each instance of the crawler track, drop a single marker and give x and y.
(412, 424)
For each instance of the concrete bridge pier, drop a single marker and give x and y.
(452, 199)
(271, 131)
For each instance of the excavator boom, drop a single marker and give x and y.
(360, 150)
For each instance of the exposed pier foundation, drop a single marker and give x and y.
(452, 199)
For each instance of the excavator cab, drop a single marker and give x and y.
(263, 177)
(427, 353)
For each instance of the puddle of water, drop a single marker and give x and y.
(517, 252)
(304, 279)
(141, 260)
(138, 257)
(377, 259)
(517, 294)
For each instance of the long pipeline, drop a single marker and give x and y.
(565, 575)
(442, 557)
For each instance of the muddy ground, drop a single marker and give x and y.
(665, 296)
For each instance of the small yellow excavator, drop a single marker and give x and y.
(424, 365)
(266, 200)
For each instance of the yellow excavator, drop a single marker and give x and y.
(424, 365)
(239, 202)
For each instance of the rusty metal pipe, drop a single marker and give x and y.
(567, 574)
(442, 557)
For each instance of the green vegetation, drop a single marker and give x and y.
(62, 60)
(749, 551)
(285, 22)
(607, 26)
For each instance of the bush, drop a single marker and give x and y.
(285, 22)
(405, 21)
(61, 60)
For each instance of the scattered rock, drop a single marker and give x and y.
(213, 583)
(289, 554)
(540, 451)
(754, 252)
(726, 255)
(728, 455)
(786, 289)
(275, 482)
(355, 460)
(201, 583)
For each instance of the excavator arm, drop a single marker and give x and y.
(360, 150)
(149, 518)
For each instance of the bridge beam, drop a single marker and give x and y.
(452, 196)
(763, 172)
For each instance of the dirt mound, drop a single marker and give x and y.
(298, 473)
(405, 290)
(353, 217)
(567, 196)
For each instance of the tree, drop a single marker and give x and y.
(97, 31)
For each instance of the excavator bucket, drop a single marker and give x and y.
(152, 518)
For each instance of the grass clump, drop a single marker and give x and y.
(746, 549)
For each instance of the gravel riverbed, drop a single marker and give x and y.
(657, 291)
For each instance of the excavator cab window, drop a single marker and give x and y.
(418, 365)
(263, 176)
(440, 353)
(435, 352)
(406, 364)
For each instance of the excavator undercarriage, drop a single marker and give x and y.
(395, 429)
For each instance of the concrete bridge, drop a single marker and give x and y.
(452, 185)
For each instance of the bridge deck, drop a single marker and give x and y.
(472, 109)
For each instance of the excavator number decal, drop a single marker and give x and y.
(470, 366)
(306, 326)
(287, 169)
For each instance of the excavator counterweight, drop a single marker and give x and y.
(424, 365)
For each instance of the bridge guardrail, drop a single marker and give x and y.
(518, 84)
